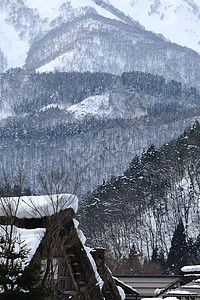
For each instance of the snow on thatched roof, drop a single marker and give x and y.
(33, 207)
(37, 206)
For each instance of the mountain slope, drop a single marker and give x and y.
(25, 22)
(178, 21)
(94, 43)
(61, 119)
(19, 26)
(147, 201)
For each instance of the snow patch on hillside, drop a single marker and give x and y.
(58, 64)
(51, 9)
(98, 106)
(5, 111)
(47, 9)
(53, 105)
(104, 106)
(12, 46)
(101, 11)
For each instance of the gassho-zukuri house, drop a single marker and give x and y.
(47, 226)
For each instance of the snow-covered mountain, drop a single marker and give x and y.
(94, 43)
(171, 177)
(23, 22)
(178, 21)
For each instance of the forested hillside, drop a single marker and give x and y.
(94, 43)
(49, 125)
(137, 215)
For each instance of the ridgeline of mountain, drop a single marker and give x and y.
(178, 21)
(96, 36)
(142, 208)
(25, 22)
(91, 124)
(95, 43)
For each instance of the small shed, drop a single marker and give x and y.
(150, 286)
(189, 291)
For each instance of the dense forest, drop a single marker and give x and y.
(29, 91)
(40, 133)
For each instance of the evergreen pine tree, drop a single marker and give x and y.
(178, 253)
(18, 280)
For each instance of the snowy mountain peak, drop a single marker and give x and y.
(178, 21)
(24, 22)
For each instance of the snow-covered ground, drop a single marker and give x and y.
(97, 106)
(13, 47)
(104, 106)
(47, 9)
(51, 9)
